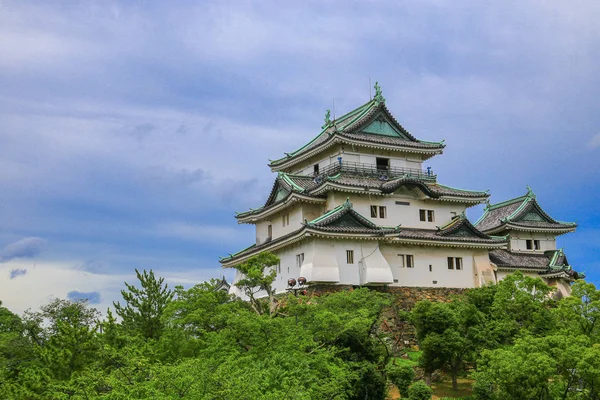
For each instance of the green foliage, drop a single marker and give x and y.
(144, 306)
(512, 339)
(419, 391)
(450, 335)
(401, 376)
(258, 274)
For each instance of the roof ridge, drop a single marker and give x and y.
(506, 202)
(461, 190)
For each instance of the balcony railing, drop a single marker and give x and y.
(373, 170)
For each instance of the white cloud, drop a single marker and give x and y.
(595, 141)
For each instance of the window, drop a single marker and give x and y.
(430, 268)
(406, 260)
(536, 245)
(350, 256)
(279, 267)
(316, 169)
(299, 260)
(430, 215)
(382, 211)
(383, 164)
(426, 215)
(403, 203)
(269, 232)
(529, 244)
(455, 263)
(285, 220)
(458, 263)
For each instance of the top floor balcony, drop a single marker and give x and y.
(382, 172)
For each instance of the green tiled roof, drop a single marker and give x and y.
(524, 212)
(368, 122)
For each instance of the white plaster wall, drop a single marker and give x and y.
(518, 241)
(348, 153)
(288, 268)
(298, 212)
(421, 276)
(407, 216)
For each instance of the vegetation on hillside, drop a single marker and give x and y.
(201, 343)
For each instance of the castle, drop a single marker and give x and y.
(355, 207)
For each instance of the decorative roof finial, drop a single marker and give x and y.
(530, 192)
(378, 96)
(327, 119)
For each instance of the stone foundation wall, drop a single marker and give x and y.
(404, 297)
(400, 332)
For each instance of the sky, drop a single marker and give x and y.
(130, 132)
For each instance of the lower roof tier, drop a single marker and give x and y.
(549, 263)
(288, 189)
(343, 222)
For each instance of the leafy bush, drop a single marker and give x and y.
(419, 391)
(401, 376)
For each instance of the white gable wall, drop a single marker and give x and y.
(397, 214)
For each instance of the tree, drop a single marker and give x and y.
(258, 274)
(144, 307)
(450, 335)
(580, 312)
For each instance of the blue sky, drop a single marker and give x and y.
(131, 131)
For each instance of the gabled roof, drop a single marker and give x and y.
(371, 124)
(289, 188)
(522, 213)
(286, 191)
(460, 226)
(459, 229)
(551, 263)
(343, 218)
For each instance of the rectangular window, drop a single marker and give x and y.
(426, 215)
(458, 263)
(316, 169)
(410, 261)
(269, 232)
(383, 164)
(401, 260)
(536, 245)
(455, 263)
(529, 244)
(279, 267)
(430, 268)
(299, 260)
(430, 215)
(350, 256)
(378, 211)
(285, 219)
(403, 203)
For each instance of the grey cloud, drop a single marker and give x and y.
(24, 248)
(91, 297)
(17, 272)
